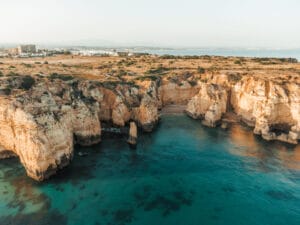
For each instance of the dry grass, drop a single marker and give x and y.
(118, 68)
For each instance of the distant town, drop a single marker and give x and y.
(31, 50)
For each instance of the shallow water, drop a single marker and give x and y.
(182, 173)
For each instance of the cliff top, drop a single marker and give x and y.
(151, 67)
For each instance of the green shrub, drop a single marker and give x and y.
(168, 57)
(192, 83)
(234, 77)
(122, 73)
(237, 62)
(129, 63)
(150, 77)
(11, 73)
(207, 57)
(27, 65)
(27, 82)
(204, 80)
(110, 84)
(266, 61)
(61, 77)
(201, 70)
(157, 70)
(183, 57)
(7, 90)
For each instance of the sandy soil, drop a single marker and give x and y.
(121, 68)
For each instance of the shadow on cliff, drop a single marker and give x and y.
(79, 170)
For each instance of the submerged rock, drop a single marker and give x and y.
(81, 154)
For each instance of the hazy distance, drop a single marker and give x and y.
(162, 23)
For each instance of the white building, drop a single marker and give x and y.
(26, 49)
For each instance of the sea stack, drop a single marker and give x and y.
(132, 139)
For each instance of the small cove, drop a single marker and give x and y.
(182, 173)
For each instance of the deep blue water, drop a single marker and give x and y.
(277, 53)
(182, 174)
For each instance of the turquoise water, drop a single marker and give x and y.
(182, 173)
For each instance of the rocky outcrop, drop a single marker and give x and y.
(132, 139)
(177, 93)
(146, 114)
(272, 109)
(41, 123)
(42, 143)
(209, 104)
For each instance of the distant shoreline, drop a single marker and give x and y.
(181, 51)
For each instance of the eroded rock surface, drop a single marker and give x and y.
(272, 108)
(209, 104)
(132, 139)
(41, 122)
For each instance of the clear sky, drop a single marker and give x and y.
(182, 23)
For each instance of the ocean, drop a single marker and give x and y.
(182, 173)
(240, 52)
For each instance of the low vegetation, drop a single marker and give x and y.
(111, 71)
(149, 77)
(27, 82)
(158, 70)
(200, 70)
(61, 77)
(192, 83)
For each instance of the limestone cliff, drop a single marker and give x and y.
(178, 93)
(42, 123)
(209, 104)
(272, 108)
(132, 139)
(41, 126)
(41, 119)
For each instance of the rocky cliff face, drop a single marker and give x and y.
(209, 104)
(41, 122)
(178, 93)
(132, 137)
(41, 125)
(272, 108)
